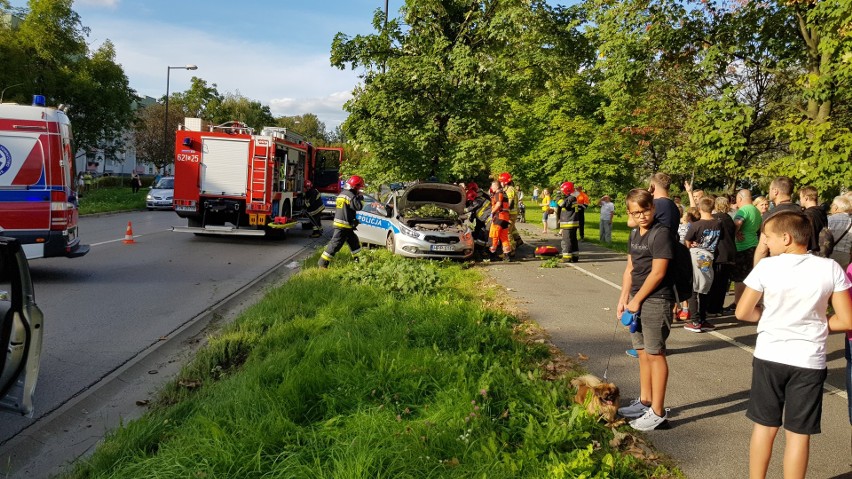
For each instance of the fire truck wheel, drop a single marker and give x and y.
(391, 243)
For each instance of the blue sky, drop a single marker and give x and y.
(272, 51)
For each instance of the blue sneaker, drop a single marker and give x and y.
(632, 353)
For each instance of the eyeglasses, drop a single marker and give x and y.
(639, 213)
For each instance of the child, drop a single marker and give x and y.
(545, 209)
(702, 238)
(646, 289)
(689, 215)
(789, 366)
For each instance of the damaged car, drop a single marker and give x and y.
(423, 220)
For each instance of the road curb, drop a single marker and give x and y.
(51, 444)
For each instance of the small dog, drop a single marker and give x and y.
(604, 398)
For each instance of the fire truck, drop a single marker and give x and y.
(231, 181)
(38, 201)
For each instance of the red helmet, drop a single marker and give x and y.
(567, 188)
(472, 187)
(355, 182)
(504, 177)
(308, 184)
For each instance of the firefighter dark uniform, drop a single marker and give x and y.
(348, 202)
(314, 208)
(500, 221)
(569, 221)
(478, 207)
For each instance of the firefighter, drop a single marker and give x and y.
(568, 220)
(478, 208)
(349, 201)
(314, 208)
(512, 196)
(500, 221)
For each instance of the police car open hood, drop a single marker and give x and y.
(445, 195)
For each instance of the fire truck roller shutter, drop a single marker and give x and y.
(224, 170)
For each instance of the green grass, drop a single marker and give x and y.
(620, 231)
(388, 368)
(107, 199)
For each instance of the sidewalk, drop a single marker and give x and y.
(709, 373)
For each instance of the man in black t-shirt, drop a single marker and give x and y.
(780, 194)
(809, 199)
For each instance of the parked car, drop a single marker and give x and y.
(420, 221)
(162, 194)
(329, 200)
(21, 329)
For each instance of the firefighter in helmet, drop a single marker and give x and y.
(314, 208)
(478, 208)
(500, 221)
(349, 201)
(568, 220)
(512, 195)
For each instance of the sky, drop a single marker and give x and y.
(272, 51)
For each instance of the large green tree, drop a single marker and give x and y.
(435, 86)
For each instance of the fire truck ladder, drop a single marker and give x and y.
(259, 194)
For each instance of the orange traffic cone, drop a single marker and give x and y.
(128, 236)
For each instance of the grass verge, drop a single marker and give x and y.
(620, 231)
(107, 199)
(384, 368)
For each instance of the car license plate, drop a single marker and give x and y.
(442, 247)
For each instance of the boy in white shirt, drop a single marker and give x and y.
(789, 366)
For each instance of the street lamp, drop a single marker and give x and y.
(166, 119)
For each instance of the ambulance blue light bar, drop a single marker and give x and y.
(39, 100)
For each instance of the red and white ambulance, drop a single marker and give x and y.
(38, 201)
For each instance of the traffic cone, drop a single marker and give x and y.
(128, 236)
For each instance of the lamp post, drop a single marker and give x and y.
(4, 90)
(166, 119)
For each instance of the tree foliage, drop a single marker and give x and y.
(47, 54)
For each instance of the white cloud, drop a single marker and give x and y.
(98, 3)
(291, 81)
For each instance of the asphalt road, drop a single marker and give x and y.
(103, 310)
(709, 373)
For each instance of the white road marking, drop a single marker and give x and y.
(112, 241)
(831, 390)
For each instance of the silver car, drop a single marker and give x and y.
(420, 221)
(162, 194)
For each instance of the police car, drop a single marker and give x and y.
(420, 221)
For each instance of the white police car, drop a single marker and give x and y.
(420, 221)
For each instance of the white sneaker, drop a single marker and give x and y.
(649, 421)
(633, 410)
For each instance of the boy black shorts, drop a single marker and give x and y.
(795, 392)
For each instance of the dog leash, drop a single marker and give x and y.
(611, 343)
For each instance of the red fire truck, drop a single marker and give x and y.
(38, 202)
(230, 181)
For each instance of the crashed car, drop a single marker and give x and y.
(21, 329)
(424, 220)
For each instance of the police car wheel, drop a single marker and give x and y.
(390, 243)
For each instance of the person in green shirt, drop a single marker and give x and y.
(747, 221)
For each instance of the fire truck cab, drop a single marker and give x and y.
(38, 201)
(229, 181)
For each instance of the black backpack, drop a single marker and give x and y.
(680, 270)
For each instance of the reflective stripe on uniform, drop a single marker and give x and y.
(567, 225)
(326, 256)
(342, 224)
(317, 211)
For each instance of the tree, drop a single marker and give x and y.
(307, 125)
(434, 92)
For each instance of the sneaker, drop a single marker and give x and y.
(632, 353)
(707, 326)
(729, 309)
(649, 421)
(633, 410)
(693, 327)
